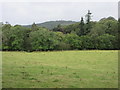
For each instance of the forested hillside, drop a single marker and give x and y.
(86, 34)
(51, 24)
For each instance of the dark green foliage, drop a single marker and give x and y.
(88, 23)
(72, 28)
(103, 34)
(43, 40)
(82, 28)
(118, 35)
(111, 26)
(58, 28)
(13, 37)
(34, 27)
(88, 17)
(74, 41)
(0, 36)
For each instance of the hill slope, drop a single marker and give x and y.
(52, 24)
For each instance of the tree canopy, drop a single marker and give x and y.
(102, 34)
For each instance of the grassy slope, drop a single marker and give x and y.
(79, 69)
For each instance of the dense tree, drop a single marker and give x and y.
(61, 44)
(111, 26)
(43, 40)
(5, 36)
(87, 42)
(103, 34)
(88, 17)
(72, 28)
(118, 35)
(34, 27)
(0, 36)
(82, 29)
(74, 41)
(88, 23)
(13, 37)
(106, 41)
(58, 28)
(98, 29)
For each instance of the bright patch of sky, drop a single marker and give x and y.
(38, 12)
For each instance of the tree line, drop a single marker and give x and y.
(83, 35)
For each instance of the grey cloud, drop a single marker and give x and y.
(27, 13)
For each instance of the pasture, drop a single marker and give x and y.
(60, 69)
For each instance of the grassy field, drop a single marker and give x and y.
(60, 69)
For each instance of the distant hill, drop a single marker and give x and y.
(52, 24)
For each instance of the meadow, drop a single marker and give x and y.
(60, 69)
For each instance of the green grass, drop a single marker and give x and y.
(60, 69)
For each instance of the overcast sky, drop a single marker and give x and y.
(38, 12)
